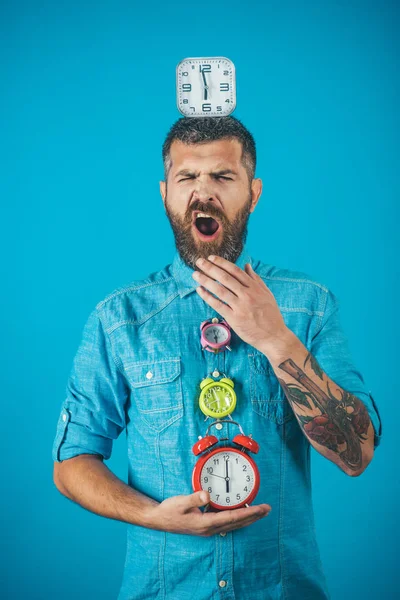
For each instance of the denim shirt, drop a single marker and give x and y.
(139, 368)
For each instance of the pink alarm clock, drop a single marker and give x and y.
(215, 335)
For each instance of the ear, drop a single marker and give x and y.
(163, 190)
(256, 189)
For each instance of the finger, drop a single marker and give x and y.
(196, 499)
(243, 522)
(249, 270)
(220, 290)
(255, 276)
(229, 274)
(223, 309)
(231, 517)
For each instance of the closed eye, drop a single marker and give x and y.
(216, 177)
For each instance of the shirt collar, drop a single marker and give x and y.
(182, 273)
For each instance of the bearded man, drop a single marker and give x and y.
(139, 368)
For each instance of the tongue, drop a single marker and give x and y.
(206, 225)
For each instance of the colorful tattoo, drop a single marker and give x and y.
(343, 421)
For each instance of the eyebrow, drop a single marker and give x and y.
(213, 173)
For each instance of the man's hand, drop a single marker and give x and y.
(181, 514)
(250, 307)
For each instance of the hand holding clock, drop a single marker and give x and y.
(247, 304)
(182, 514)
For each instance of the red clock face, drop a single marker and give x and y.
(229, 475)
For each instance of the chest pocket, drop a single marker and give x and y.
(156, 390)
(267, 396)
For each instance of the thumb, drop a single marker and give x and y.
(198, 499)
(249, 270)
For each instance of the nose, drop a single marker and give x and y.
(203, 197)
(202, 193)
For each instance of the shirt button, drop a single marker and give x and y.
(222, 583)
(149, 375)
(223, 533)
(64, 417)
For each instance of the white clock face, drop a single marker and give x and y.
(228, 477)
(205, 87)
(216, 334)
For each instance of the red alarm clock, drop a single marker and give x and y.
(229, 474)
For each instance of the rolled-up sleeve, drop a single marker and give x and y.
(93, 412)
(330, 347)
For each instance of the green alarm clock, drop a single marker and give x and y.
(217, 398)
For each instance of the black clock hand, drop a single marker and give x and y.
(227, 477)
(205, 85)
(215, 475)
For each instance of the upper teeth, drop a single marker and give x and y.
(200, 214)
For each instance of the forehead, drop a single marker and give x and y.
(221, 153)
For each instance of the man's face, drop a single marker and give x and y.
(199, 181)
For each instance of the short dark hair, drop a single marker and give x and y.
(198, 130)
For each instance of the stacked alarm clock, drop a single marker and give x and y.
(229, 474)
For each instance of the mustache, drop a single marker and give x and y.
(208, 210)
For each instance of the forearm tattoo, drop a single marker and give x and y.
(342, 424)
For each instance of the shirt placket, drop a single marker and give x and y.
(223, 540)
(224, 554)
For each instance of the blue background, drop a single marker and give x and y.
(87, 97)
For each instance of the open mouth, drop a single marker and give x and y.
(206, 226)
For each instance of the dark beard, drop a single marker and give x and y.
(229, 244)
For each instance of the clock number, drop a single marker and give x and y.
(226, 72)
(205, 479)
(185, 73)
(219, 108)
(237, 496)
(206, 107)
(192, 107)
(226, 456)
(205, 68)
(216, 461)
(244, 467)
(247, 477)
(210, 470)
(224, 87)
(227, 500)
(185, 101)
(187, 87)
(227, 100)
(210, 489)
(217, 496)
(245, 489)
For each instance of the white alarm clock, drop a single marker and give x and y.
(206, 86)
